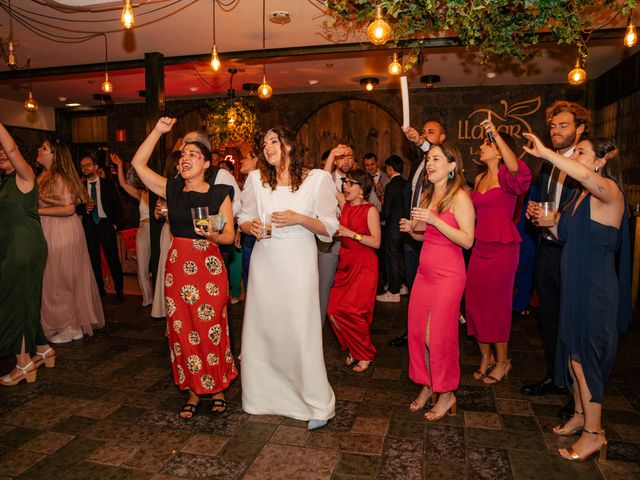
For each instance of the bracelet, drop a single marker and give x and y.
(357, 237)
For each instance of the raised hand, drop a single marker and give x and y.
(537, 148)
(412, 135)
(164, 125)
(116, 159)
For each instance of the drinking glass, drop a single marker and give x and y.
(547, 216)
(200, 216)
(265, 227)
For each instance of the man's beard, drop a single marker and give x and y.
(566, 142)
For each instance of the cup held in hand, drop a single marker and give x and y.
(547, 216)
(265, 226)
(200, 216)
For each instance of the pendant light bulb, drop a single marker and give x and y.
(577, 76)
(215, 60)
(30, 104)
(379, 31)
(631, 37)
(127, 18)
(107, 86)
(394, 67)
(369, 87)
(264, 90)
(11, 59)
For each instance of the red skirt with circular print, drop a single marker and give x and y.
(196, 294)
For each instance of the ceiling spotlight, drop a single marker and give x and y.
(379, 31)
(126, 18)
(491, 75)
(429, 80)
(369, 83)
(62, 99)
(630, 37)
(193, 89)
(577, 76)
(394, 67)
(280, 17)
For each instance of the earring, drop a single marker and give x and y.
(452, 174)
(597, 169)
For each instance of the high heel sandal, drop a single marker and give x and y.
(49, 361)
(349, 360)
(362, 366)
(438, 416)
(491, 380)
(480, 374)
(602, 451)
(415, 406)
(29, 376)
(561, 431)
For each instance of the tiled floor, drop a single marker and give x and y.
(109, 411)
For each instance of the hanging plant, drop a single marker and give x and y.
(231, 122)
(500, 28)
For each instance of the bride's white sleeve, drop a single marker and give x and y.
(327, 204)
(248, 200)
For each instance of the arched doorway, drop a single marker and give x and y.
(363, 124)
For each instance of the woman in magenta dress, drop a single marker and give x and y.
(494, 259)
(353, 294)
(445, 219)
(196, 283)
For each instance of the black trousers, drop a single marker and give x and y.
(103, 234)
(547, 283)
(393, 262)
(411, 250)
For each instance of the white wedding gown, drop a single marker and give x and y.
(283, 370)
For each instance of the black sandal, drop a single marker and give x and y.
(188, 408)
(218, 403)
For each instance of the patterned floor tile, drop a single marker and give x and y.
(113, 454)
(288, 462)
(202, 444)
(291, 436)
(47, 442)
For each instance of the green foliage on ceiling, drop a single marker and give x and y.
(231, 122)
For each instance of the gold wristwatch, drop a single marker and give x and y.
(357, 237)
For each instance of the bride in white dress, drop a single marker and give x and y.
(283, 370)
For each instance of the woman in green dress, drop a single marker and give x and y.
(22, 255)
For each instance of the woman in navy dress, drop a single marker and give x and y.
(595, 302)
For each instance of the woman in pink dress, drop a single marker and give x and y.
(71, 305)
(445, 222)
(494, 259)
(353, 294)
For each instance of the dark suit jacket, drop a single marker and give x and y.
(568, 189)
(407, 194)
(111, 202)
(393, 207)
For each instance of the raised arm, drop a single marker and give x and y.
(508, 155)
(154, 182)
(337, 151)
(130, 189)
(601, 188)
(25, 178)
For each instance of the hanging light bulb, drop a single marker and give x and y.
(126, 18)
(577, 76)
(631, 36)
(264, 90)
(107, 86)
(394, 67)
(215, 60)
(11, 59)
(30, 104)
(379, 31)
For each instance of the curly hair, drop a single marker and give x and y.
(269, 173)
(452, 154)
(581, 115)
(62, 167)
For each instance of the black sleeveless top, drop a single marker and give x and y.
(180, 203)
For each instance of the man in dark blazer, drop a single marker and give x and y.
(568, 124)
(100, 219)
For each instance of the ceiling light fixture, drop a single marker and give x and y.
(369, 83)
(264, 90)
(577, 76)
(106, 86)
(215, 60)
(429, 80)
(394, 68)
(30, 104)
(72, 104)
(379, 31)
(252, 88)
(127, 18)
(631, 36)
(11, 57)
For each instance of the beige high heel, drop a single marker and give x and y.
(561, 431)
(415, 406)
(491, 380)
(29, 376)
(49, 361)
(602, 451)
(435, 416)
(480, 374)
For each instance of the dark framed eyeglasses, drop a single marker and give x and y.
(350, 182)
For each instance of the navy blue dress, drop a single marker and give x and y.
(595, 297)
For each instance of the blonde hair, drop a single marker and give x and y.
(62, 167)
(454, 184)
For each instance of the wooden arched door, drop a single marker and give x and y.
(362, 124)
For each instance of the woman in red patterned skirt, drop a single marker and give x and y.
(196, 286)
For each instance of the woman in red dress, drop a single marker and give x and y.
(196, 283)
(494, 259)
(353, 294)
(446, 219)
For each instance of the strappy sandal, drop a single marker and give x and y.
(349, 360)
(480, 374)
(362, 366)
(491, 380)
(602, 451)
(25, 374)
(189, 408)
(416, 406)
(49, 361)
(218, 406)
(433, 416)
(561, 431)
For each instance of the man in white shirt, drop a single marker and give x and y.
(380, 179)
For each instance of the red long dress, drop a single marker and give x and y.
(353, 294)
(435, 304)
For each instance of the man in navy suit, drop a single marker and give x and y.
(568, 124)
(100, 219)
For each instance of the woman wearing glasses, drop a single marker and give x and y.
(353, 294)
